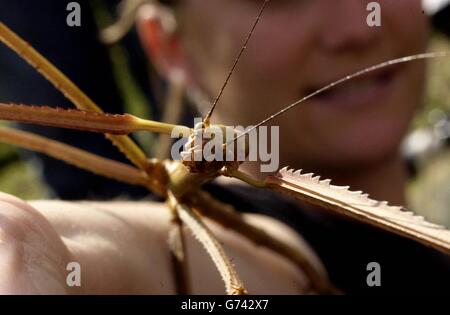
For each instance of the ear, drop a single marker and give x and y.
(157, 31)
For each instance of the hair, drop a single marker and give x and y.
(127, 11)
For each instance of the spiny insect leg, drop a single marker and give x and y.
(61, 82)
(80, 158)
(229, 218)
(82, 120)
(233, 284)
(177, 246)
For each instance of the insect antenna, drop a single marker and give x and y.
(236, 61)
(340, 81)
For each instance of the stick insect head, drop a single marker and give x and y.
(210, 148)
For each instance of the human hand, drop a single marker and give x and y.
(121, 248)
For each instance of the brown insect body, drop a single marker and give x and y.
(180, 183)
(193, 154)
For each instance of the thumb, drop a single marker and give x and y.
(33, 258)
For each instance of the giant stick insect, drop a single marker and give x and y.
(179, 182)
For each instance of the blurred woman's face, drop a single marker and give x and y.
(300, 46)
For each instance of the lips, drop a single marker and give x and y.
(368, 89)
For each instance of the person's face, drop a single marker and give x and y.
(300, 46)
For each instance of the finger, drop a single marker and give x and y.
(33, 258)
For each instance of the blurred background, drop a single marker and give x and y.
(116, 79)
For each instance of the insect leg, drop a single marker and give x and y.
(233, 283)
(61, 82)
(228, 217)
(80, 158)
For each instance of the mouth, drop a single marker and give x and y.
(367, 90)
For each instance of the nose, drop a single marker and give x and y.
(345, 26)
